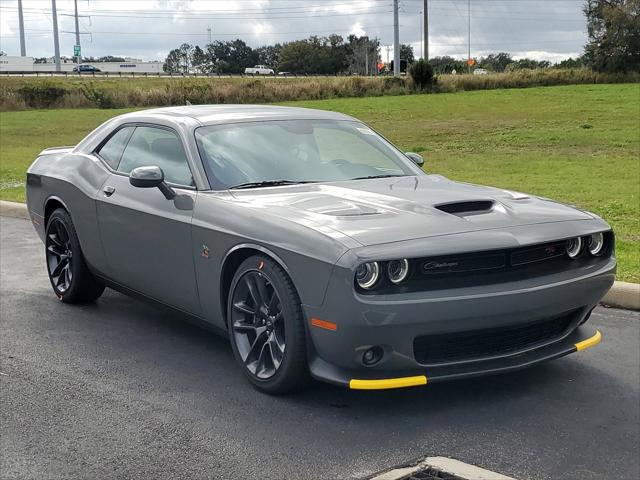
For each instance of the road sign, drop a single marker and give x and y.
(76, 50)
(470, 62)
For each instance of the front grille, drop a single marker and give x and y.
(491, 267)
(475, 344)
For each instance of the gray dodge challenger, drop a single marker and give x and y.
(318, 247)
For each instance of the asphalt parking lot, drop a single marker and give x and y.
(120, 389)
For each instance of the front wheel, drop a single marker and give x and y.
(266, 326)
(69, 275)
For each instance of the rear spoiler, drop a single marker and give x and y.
(53, 150)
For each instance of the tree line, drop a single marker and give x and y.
(320, 55)
(613, 45)
(330, 56)
(500, 62)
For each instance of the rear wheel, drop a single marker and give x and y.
(70, 278)
(266, 326)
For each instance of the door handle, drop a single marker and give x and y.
(108, 190)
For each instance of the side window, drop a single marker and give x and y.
(112, 150)
(157, 146)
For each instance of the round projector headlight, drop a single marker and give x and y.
(368, 274)
(398, 270)
(574, 247)
(596, 244)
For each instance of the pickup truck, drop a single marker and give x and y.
(258, 70)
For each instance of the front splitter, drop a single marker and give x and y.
(371, 379)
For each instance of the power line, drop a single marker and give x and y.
(202, 17)
(292, 8)
(164, 33)
(230, 15)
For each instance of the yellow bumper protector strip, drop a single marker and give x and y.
(589, 342)
(386, 383)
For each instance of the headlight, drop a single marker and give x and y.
(596, 244)
(368, 274)
(398, 270)
(574, 247)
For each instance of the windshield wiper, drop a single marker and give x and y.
(378, 176)
(268, 183)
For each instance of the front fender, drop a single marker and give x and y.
(222, 227)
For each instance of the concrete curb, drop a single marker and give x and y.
(622, 294)
(445, 465)
(13, 209)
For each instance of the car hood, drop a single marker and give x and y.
(383, 210)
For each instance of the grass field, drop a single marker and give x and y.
(578, 144)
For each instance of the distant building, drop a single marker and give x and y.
(27, 65)
(10, 63)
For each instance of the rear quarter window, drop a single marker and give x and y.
(111, 152)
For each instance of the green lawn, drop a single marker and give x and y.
(578, 144)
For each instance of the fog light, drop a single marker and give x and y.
(367, 275)
(574, 246)
(596, 244)
(372, 356)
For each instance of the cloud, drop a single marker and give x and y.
(358, 30)
(546, 29)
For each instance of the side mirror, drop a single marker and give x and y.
(415, 158)
(151, 177)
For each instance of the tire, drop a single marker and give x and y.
(266, 327)
(71, 280)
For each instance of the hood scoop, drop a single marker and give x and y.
(466, 208)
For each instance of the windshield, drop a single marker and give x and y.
(294, 151)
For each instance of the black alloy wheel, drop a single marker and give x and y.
(70, 277)
(266, 326)
(258, 324)
(59, 256)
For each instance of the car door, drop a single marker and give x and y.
(146, 237)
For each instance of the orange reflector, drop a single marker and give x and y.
(316, 322)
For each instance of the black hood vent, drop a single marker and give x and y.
(463, 208)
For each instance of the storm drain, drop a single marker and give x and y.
(431, 473)
(439, 468)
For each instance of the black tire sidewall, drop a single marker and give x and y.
(289, 376)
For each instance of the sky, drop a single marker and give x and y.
(147, 29)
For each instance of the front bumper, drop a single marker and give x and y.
(393, 322)
(581, 339)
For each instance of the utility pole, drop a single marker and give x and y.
(77, 34)
(421, 38)
(366, 60)
(425, 39)
(469, 34)
(56, 40)
(23, 49)
(209, 33)
(396, 40)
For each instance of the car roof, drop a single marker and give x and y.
(216, 114)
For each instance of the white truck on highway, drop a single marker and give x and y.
(258, 70)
